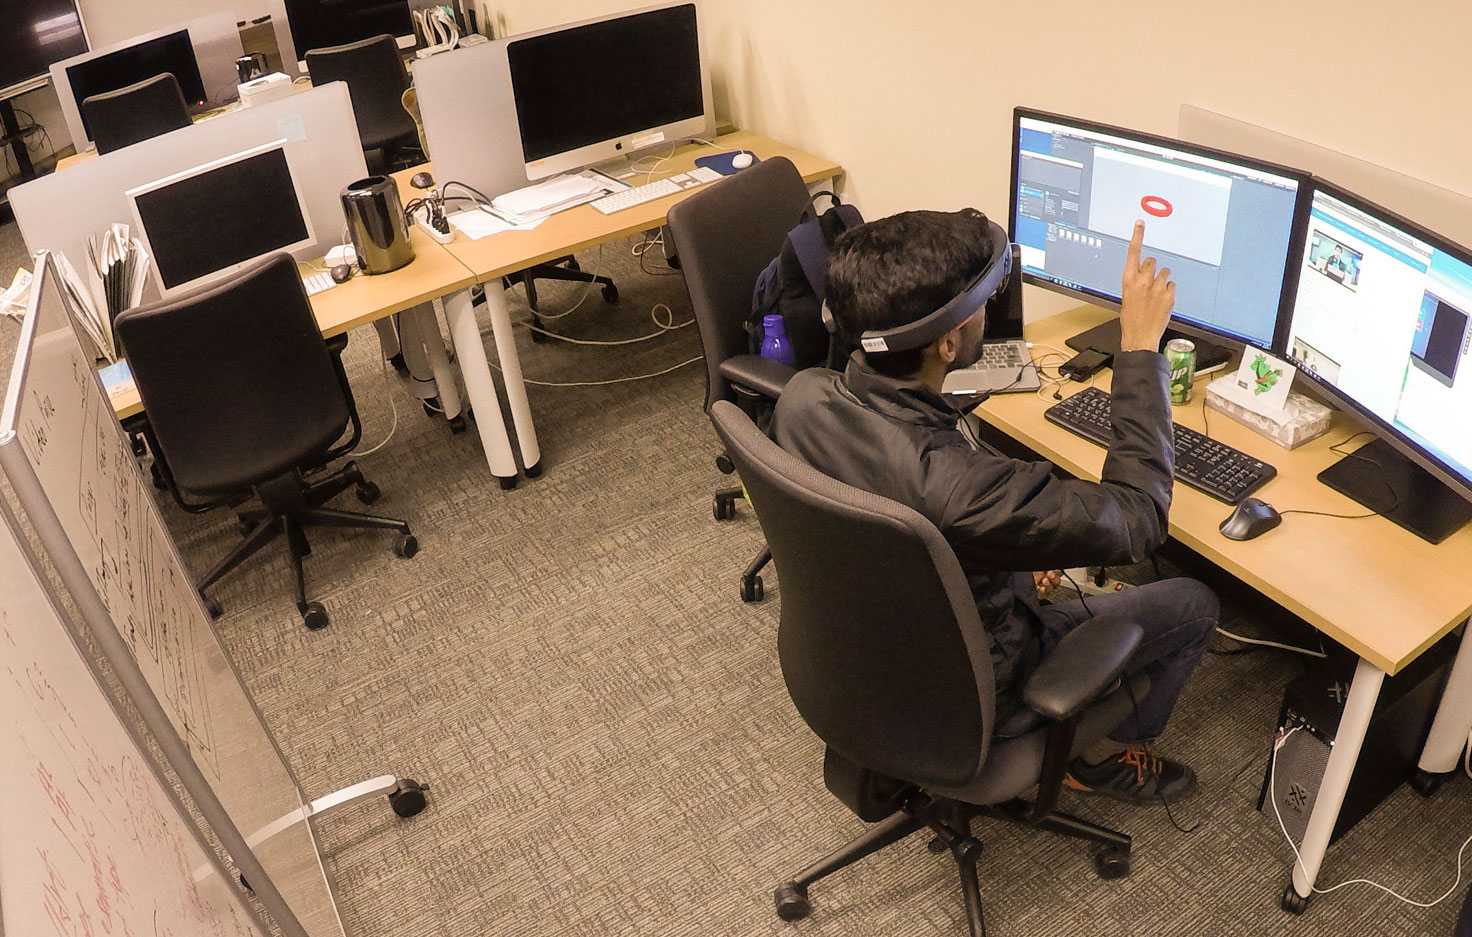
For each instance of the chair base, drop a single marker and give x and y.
(723, 507)
(565, 269)
(950, 822)
(289, 505)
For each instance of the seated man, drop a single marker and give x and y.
(883, 426)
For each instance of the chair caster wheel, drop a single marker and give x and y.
(724, 509)
(405, 546)
(1293, 902)
(752, 591)
(158, 477)
(508, 482)
(572, 264)
(213, 607)
(792, 902)
(314, 616)
(724, 464)
(935, 846)
(431, 407)
(1112, 863)
(398, 363)
(537, 337)
(408, 798)
(457, 424)
(1425, 783)
(244, 527)
(368, 492)
(610, 294)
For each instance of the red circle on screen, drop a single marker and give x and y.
(1157, 206)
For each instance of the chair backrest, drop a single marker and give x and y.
(236, 379)
(724, 237)
(880, 642)
(136, 113)
(376, 80)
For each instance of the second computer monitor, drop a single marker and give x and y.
(596, 90)
(172, 53)
(202, 224)
(1222, 224)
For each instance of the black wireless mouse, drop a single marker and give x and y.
(1252, 518)
(341, 273)
(421, 180)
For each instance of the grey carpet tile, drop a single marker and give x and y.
(604, 724)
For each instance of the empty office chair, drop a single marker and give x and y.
(130, 115)
(376, 79)
(887, 661)
(241, 392)
(725, 235)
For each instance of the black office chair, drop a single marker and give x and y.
(886, 659)
(130, 115)
(725, 236)
(241, 393)
(376, 79)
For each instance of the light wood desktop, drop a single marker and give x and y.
(1368, 584)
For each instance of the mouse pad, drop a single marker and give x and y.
(721, 162)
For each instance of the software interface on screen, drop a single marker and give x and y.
(1222, 228)
(1383, 316)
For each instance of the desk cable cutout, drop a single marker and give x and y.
(1298, 857)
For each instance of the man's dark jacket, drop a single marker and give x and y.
(1003, 517)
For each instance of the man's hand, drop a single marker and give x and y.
(1147, 297)
(1046, 581)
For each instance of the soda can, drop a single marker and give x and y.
(1180, 355)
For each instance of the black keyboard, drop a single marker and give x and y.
(1217, 469)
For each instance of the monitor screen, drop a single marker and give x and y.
(1222, 224)
(220, 216)
(36, 33)
(606, 80)
(318, 24)
(172, 53)
(1382, 315)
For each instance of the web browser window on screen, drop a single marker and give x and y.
(1223, 228)
(1386, 317)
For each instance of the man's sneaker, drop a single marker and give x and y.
(1134, 776)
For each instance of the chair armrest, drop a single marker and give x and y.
(1084, 664)
(763, 375)
(336, 345)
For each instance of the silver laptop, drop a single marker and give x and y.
(1006, 362)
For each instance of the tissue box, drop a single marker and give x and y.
(1306, 419)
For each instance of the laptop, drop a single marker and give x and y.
(1006, 364)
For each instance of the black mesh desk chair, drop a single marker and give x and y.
(136, 113)
(885, 658)
(725, 235)
(376, 79)
(241, 393)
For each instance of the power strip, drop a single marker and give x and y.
(1084, 576)
(444, 237)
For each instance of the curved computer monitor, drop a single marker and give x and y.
(204, 223)
(606, 88)
(1382, 321)
(1222, 223)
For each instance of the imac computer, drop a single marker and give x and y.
(203, 224)
(172, 52)
(1223, 224)
(605, 88)
(1382, 321)
(318, 24)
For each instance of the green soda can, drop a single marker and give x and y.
(1180, 355)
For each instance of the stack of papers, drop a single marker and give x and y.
(116, 274)
(536, 202)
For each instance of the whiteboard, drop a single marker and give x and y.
(91, 842)
(66, 457)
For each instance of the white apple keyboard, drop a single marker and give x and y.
(318, 282)
(650, 191)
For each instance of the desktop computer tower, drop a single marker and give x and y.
(1313, 704)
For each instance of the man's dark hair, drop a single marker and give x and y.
(899, 269)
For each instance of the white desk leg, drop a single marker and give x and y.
(1453, 721)
(479, 387)
(1347, 741)
(521, 411)
(421, 324)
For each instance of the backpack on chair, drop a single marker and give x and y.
(794, 284)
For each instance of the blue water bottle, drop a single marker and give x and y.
(774, 340)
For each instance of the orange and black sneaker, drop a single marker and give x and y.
(1134, 776)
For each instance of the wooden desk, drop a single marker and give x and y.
(492, 257)
(1358, 581)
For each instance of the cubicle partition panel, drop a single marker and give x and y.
(1446, 212)
(59, 212)
(92, 840)
(472, 138)
(73, 472)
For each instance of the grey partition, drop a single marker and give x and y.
(322, 147)
(91, 840)
(72, 469)
(1446, 212)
